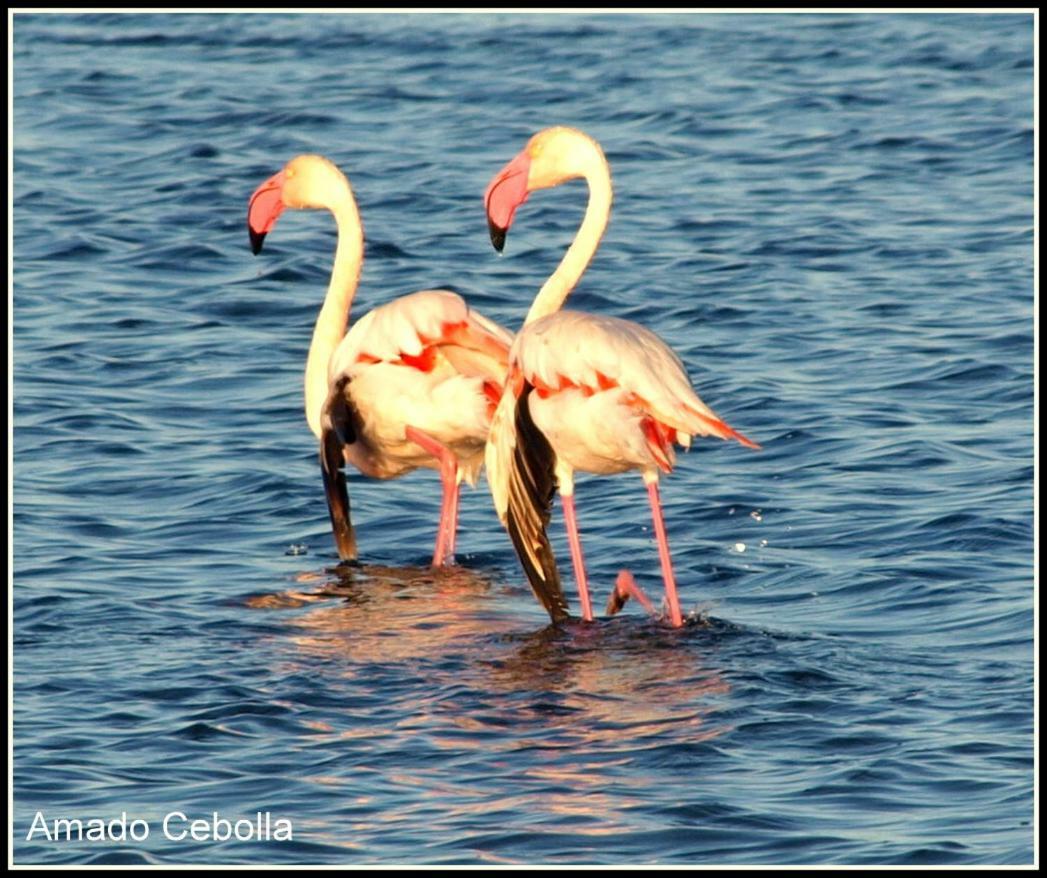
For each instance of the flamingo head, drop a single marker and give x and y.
(553, 156)
(506, 192)
(305, 181)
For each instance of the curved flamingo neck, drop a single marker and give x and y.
(560, 283)
(334, 315)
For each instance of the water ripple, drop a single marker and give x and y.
(829, 217)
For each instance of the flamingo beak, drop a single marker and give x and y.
(264, 209)
(506, 192)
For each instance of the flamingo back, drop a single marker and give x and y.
(589, 352)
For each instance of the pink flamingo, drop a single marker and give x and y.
(584, 392)
(414, 383)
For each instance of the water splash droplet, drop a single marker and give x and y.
(297, 549)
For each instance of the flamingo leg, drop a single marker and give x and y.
(675, 617)
(445, 534)
(576, 556)
(451, 491)
(443, 553)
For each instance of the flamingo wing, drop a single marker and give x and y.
(479, 347)
(413, 329)
(339, 427)
(521, 470)
(595, 353)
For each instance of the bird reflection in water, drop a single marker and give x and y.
(411, 611)
(626, 671)
(540, 721)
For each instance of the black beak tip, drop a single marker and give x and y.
(497, 235)
(256, 241)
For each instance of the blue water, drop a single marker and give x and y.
(829, 217)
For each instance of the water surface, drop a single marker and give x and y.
(829, 217)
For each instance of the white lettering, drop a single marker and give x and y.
(120, 822)
(223, 829)
(198, 826)
(248, 830)
(39, 824)
(167, 820)
(176, 827)
(282, 825)
(69, 829)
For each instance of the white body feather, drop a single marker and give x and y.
(448, 402)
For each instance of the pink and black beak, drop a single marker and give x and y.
(264, 209)
(506, 192)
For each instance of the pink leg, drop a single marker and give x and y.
(452, 491)
(445, 534)
(576, 555)
(675, 617)
(444, 551)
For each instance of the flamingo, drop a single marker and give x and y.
(414, 383)
(584, 391)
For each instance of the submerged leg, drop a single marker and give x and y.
(576, 556)
(443, 553)
(675, 617)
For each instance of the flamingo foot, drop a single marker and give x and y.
(626, 587)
